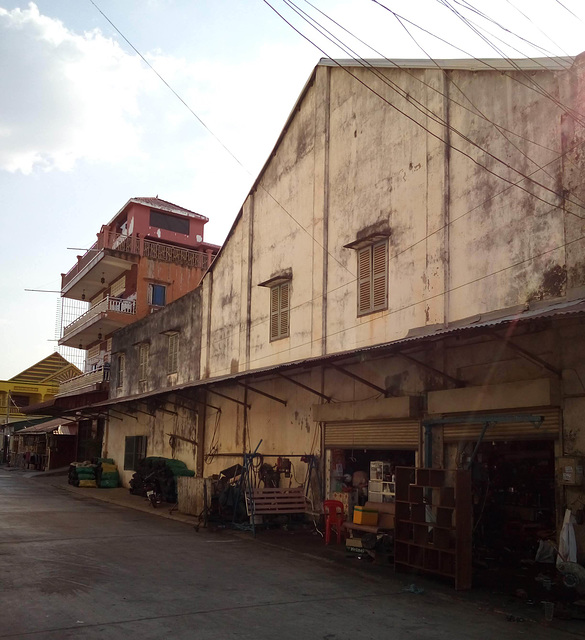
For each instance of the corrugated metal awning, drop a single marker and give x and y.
(557, 310)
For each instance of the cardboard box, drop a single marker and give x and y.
(354, 545)
(364, 515)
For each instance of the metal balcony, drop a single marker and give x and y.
(95, 380)
(98, 321)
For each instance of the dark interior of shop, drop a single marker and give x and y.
(513, 498)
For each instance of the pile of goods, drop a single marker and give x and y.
(103, 474)
(82, 474)
(107, 475)
(163, 473)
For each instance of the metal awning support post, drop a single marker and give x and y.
(486, 420)
(245, 489)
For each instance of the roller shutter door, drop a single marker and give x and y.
(549, 430)
(388, 434)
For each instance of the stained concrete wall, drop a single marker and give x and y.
(182, 316)
(463, 242)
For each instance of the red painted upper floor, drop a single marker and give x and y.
(148, 228)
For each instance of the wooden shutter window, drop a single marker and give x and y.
(143, 362)
(284, 315)
(279, 311)
(173, 353)
(121, 367)
(372, 278)
(379, 270)
(364, 280)
(274, 324)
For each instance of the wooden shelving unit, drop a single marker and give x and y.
(433, 524)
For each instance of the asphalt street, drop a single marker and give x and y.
(73, 567)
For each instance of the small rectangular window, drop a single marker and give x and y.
(372, 278)
(173, 353)
(157, 295)
(134, 451)
(121, 367)
(143, 353)
(279, 311)
(178, 224)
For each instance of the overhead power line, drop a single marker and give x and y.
(284, 209)
(428, 113)
(476, 111)
(574, 114)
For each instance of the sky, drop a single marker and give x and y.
(86, 124)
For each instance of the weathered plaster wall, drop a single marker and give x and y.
(168, 435)
(348, 163)
(184, 316)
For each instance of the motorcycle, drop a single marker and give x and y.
(152, 489)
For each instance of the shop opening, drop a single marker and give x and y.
(357, 476)
(513, 488)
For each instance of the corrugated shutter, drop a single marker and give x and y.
(509, 430)
(389, 434)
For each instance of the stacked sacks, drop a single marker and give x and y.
(82, 474)
(107, 475)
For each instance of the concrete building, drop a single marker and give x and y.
(408, 266)
(151, 253)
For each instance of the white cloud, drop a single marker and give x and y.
(66, 97)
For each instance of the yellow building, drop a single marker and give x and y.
(33, 385)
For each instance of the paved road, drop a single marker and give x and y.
(71, 567)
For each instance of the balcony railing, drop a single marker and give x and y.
(135, 245)
(11, 410)
(85, 380)
(119, 305)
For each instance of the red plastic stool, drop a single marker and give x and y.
(334, 517)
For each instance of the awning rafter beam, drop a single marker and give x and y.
(305, 387)
(424, 365)
(222, 395)
(358, 378)
(525, 353)
(262, 393)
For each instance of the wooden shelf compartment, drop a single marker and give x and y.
(442, 547)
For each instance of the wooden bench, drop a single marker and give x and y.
(270, 501)
(385, 511)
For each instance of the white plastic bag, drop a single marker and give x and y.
(567, 541)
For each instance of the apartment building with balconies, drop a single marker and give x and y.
(150, 253)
